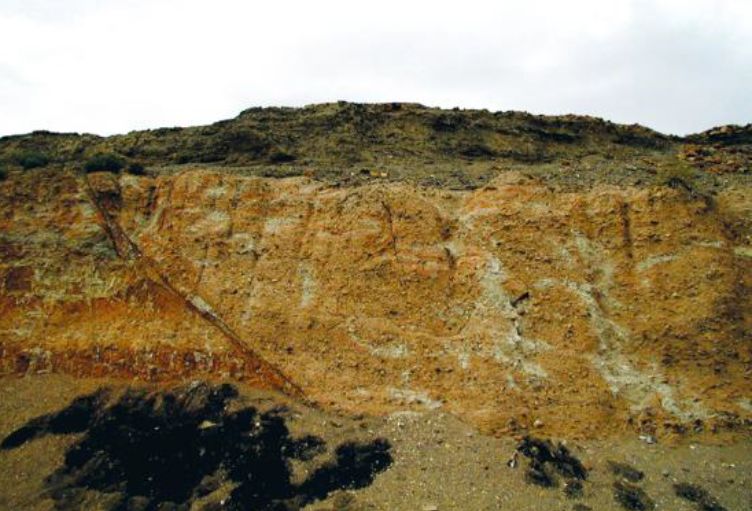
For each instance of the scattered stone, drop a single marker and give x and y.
(625, 471)
(632, 497)
(648, 439)
(430, 507)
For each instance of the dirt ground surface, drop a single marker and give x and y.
(439, 462)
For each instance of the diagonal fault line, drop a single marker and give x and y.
(128, 250)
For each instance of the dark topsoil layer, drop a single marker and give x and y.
(349, 144)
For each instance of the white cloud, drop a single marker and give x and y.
(112, 66)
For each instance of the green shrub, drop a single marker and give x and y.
(280, 156)
(676, 171)
(136, 169)
(32, 159)
(477, 150)
(104, 162)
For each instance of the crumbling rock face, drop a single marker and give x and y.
(582, 312)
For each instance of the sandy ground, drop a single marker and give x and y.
(439, 463)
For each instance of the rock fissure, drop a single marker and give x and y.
(129, 251)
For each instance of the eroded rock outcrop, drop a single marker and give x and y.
(584, 312)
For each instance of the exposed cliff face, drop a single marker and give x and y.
(588, 311)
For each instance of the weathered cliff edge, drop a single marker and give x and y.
(589, 312)
(563, 274)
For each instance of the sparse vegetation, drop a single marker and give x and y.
(104, 162)
(674, 171)
(477, 150)
(408, 142)
(280, 156)
(32, 159)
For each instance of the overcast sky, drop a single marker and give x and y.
(111, 66)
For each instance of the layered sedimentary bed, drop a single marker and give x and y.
(513, 305)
